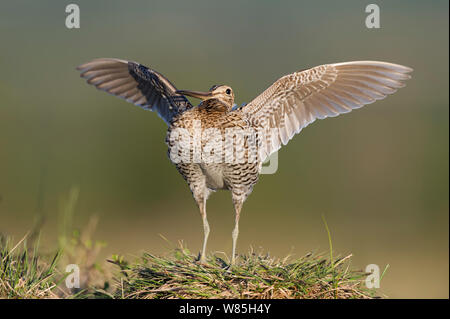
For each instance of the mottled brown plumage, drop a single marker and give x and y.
(198, 138)
(215, 112)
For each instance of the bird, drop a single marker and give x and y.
(273, 117)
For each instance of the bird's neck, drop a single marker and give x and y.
(215, 105)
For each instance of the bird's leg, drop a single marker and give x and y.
(201, 202)
(235, 233)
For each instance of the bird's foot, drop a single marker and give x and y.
(229, 268)
(201, 260)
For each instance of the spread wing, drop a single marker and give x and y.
(136, 84)
(298, 99)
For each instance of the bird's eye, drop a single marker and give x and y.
(228, 91)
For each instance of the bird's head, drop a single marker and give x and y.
(223, 93)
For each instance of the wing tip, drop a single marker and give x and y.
(392, 66)
(95, 62)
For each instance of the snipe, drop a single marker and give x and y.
(198, 136)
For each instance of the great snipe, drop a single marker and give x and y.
(276, 115)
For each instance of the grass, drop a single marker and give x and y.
(257, 275)
(28, 273)
(24, 273)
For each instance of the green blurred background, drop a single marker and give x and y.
(379, 175)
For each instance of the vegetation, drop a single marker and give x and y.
(24, 273)
(256, 275)
(27, 273)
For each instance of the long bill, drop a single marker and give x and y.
(196, 94)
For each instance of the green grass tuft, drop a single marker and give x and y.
(256, 275)
(24, 273)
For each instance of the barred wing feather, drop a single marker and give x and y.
(136, 84)
(298, 99)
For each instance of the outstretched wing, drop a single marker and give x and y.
(136, 84)
(298, 99)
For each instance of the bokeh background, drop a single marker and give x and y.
(378, 175)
